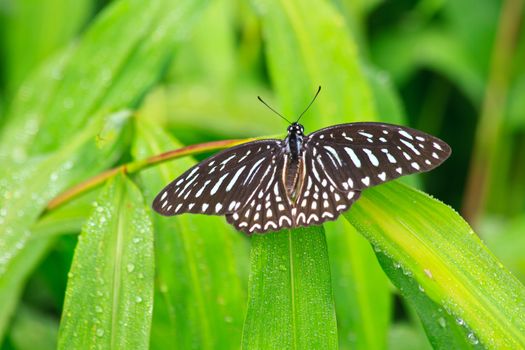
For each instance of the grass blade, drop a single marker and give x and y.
(308, 48)
(290, 297)
(442, 329)
(114, 262)
(361, 289)
(26, 194)
(440, 251)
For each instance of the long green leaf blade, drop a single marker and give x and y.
(361, 289)
(109, 297)
(290, 298)
(25, 195)
(308, 48)
(440, 251)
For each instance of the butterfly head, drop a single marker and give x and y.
(296, 129)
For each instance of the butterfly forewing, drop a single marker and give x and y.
(360, 155)
(222, 183)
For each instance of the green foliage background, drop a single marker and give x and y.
(88, 85)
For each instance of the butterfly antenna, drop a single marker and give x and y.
(273, 110)
(313, 99)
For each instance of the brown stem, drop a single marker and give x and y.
(488, 133)
(136, 166)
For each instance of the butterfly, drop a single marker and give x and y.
(303, 180)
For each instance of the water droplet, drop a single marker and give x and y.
(460, 321)
(442, 322)
(138, 299)
(136, 240)
(428, 273)
(98, 309)
(421, 288)
(472, 339)
(130, 267)
(100, 332)
(397, 265)
(282, 267)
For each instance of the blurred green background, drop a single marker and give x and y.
(454, 69)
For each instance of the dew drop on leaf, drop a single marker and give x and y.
(472, 339)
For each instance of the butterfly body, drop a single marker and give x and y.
(302, 180)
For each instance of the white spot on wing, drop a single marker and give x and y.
(365, 134)
(234, 179)
(406, 134)
(411, 146)
(371, 156)
(218, 184)
(334, 153)
(353, 156)
(199, 192)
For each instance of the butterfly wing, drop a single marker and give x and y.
(359, 155)
(269, 208)
(222, 183)
(319, 199)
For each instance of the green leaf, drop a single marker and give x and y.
(438, 249)
(361, 289)
(25, 195)
(290, 297)
(31, 31)
(442, 329)
(307, 48)
(200, 295)
(109, 296)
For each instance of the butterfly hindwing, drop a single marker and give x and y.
(268, 208)
(221, 183)
(320, 200)
(360, 155)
